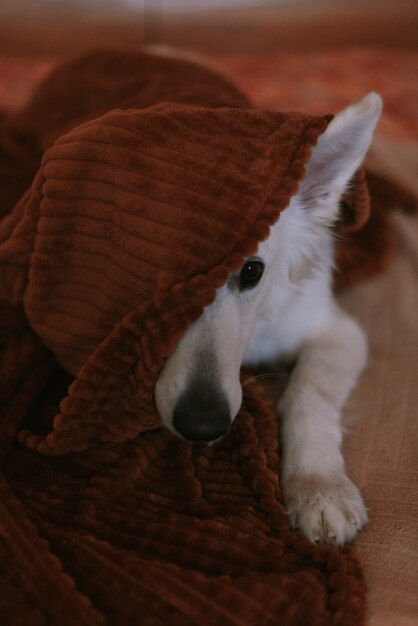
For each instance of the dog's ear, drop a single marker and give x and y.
(337, 155)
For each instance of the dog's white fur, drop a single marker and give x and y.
(292, 311)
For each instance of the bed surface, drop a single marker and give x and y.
(381, 417)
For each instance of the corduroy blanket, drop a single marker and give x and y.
(145, 181)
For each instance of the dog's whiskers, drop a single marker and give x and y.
(277, 374)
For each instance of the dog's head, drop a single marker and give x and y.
(198, 392)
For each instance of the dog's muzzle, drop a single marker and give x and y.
(202, 412)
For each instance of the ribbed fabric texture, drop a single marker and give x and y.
(157, 531)
(157, 179)
(133, 221)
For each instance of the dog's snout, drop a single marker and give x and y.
(202, 413)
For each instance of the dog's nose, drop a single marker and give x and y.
(202, 413)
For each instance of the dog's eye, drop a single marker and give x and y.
(250, 274)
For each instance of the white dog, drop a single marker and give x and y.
(280, 304)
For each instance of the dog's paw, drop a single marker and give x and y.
(325, 510)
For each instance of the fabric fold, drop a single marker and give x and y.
(117, 262)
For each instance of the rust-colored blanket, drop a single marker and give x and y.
(157, 179)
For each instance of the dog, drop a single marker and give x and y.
(280, 305)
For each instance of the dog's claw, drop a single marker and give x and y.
(326, 511)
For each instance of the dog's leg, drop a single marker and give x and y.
(321, 501)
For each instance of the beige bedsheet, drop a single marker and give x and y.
(382, 443)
